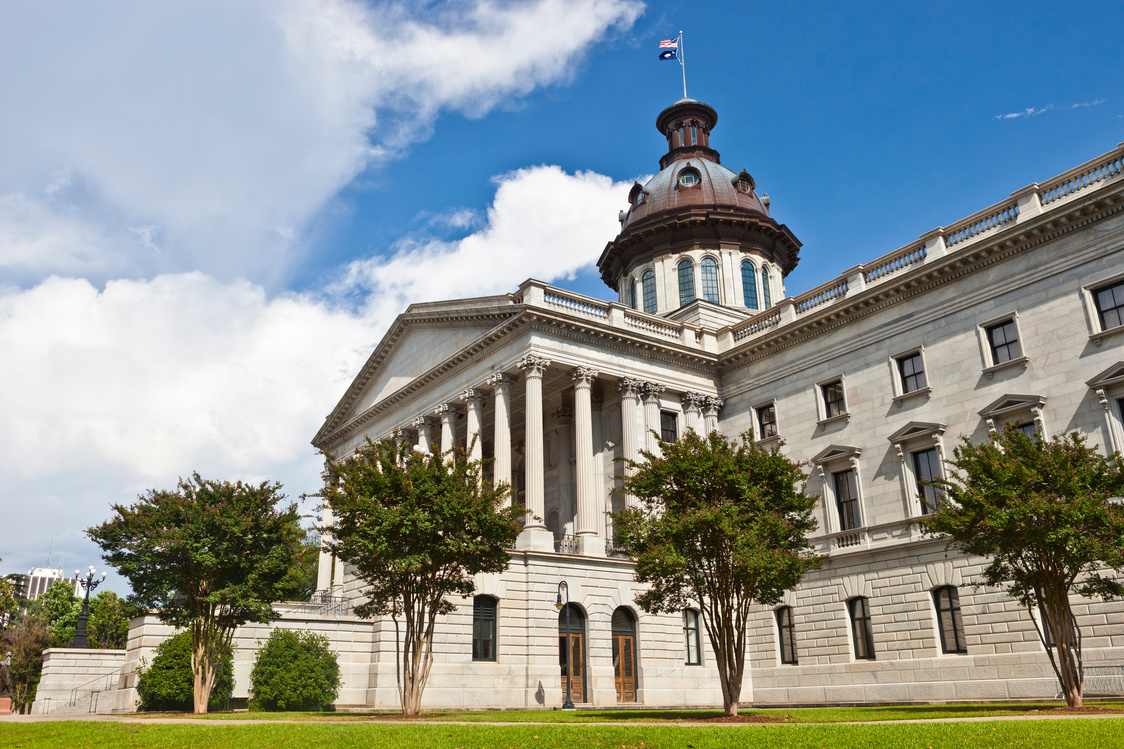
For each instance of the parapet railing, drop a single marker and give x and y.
(1104, 680)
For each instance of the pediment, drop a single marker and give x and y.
(1114, 375)
(916, 429)
(1012, 403)
(837, 452)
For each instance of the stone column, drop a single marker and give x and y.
(588, 542)
(446, 413)
(421, 424)
(501, 468)
(534, 535)
(651, 393)
(630, 432)
(711, 407)
(474, 417)
(692, 411)
(324, 565)
(563, 418)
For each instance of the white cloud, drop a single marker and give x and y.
(225, 125)
(1093, 103)
(1028, 112)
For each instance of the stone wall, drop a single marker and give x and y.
(77, 681)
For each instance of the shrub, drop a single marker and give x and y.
(295, 670)
(168, 683)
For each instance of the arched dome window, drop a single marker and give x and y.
(765, 291)
(749, 284)
(709, 279)
(686, 282)
(648, 282)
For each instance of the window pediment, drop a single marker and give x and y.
(837, 452)
(915, 429)
(1114, 375)
(1009, 404)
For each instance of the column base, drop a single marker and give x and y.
(591, 546)
(537, 538)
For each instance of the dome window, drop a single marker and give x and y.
(688, 177)
(637, 195)
(743, 186)
(744, 183)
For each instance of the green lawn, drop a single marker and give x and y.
(1047, 733)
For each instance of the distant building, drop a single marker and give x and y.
(41, 578)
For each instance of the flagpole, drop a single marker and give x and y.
(683, 63)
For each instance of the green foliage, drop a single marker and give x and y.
(108, 623)
(301, 583)
(294, 671)
(60, 608)
(718, 525)
(168, 684)
(26, 640)
(1042, 512)
(416, 528)
(210, 556)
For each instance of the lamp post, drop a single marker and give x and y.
(89, 583)
(563, 588)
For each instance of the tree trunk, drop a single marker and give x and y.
(1065, 656)
(203, 672)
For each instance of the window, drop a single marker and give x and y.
(749, 284)
(912, 371)
(926, 467)
(860, 628)
(686, 282)
(1030, 429)
(765, 291)
(1003, 340)
(692, 653)
(484, 628)
(949, 623)
(847, 499)
(786, 635)
(709, 279)
(833, 404)
(648, 281)
(1110, 305)
(744, 186)
(633, 300)
(694, 135)
(682, 141)
(767, 421)
(688, 178)
(669, 426)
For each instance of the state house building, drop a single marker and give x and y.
(1011, 315)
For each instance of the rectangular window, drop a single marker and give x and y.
(912, 371)
(767, 421)
(786, 633)
(484, 628)
(669, 426)
(926, 467)
(692, 654)
(1110, 305)
(860, 629)
(1030, 429)
(1004, 342)
(949, 622)
(833, 399)
(847, 499)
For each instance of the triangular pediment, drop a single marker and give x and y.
(917, 429)
(837, 452)
(1012, 403)
(1114, 375)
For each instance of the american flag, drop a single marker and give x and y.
(669, 43)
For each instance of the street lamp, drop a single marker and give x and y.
(563, 588)
(89, 583)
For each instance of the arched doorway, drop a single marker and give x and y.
(624, 654)
(577, 651)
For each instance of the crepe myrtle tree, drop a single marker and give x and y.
(415, 528)
(209, 556)
(720, 524)
(1042, 511)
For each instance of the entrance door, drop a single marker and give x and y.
(577, 678)
(624, 654)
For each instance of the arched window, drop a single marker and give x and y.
(860, 628)
(483, 628)
(949, 622)
(633, 300)
(692, 654)
(749, 284)
(765, 291)
(686, 282)
(572, 628)
(648, 281)
(709, 268)
(786, 635)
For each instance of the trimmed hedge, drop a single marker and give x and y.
(294, 670)
(168, 683)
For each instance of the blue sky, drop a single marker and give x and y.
(210, 211)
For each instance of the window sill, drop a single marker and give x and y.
(823, 423)
(924, 392)
(1022, 361)
(768, 442)
(1097, 339)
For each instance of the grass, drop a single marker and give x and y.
(1055, 733)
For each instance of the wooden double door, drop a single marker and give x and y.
(624, 667)
(577, 675)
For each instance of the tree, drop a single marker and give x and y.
(1042, 511)
(60, 608)
(294, 671)
(26, 640)
(10, 595)
(720, 525)
(168, 684)
(416, 528)
(108, 625)
(210, 556)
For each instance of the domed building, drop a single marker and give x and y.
(1011, 315)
